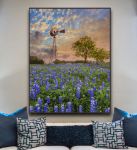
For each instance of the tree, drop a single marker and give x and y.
(100, 55)
(36, 60)
(84, 47)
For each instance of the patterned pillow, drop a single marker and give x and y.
(109, 135)
(31, 133)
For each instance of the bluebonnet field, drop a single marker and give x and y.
(69, 88)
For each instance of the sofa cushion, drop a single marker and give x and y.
(81, 135)
(9, 148)
(91, 147)
(130, 131)
(119, 114)
(51, 148)
(39, 148)
(109, 135)
(31, 133)
(58, 135)
(8, 127)
(64, 148)
(70, 135)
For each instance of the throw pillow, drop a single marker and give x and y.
(70, 135)
(58, 135)
(81, 135)
(8, 127)
(109, 135)
(119, 114)
(31, 133)
(130, 131)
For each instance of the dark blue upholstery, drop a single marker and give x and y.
(70, 135)
(130, 131)
(81, 135)
(58, 135)
(129, 126)
(8, 127)
(119, 114)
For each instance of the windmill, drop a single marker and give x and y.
(53, 33)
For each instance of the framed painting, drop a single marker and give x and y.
(70, 60)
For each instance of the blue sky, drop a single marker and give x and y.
(77, 22)
(65, 17)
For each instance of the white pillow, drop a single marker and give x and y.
(109, 135)
(31, 133)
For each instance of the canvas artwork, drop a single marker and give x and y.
(70, 65)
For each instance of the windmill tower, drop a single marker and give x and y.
(53, 33)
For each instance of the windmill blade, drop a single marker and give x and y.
(53, 33)
(62, 31)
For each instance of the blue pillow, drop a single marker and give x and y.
(58, 135)
(119, 114)
(8, 127)
(81, 135)
(130, 131)
(70, 135)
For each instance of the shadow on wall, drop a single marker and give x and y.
(14, 91)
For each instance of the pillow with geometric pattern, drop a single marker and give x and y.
(109, 135)
(31, 133)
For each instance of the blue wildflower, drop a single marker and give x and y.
(67, 110)
(91, 72)
(33, 94)
(47, 86)
(91, 92)
(60, 99)
(94, 88)
(37, 108)
(31, 109)
(55, 108)
(39, 101)
(61, 84)
(62, 108)
(107, 110)
(109, 76)
(103, 84)
(100, 88)
(36, 87)
(80, 108)
(69, 106)
(46, 107)
(78, 92)
(48, 99)
(56, 84)
(93, 105)
(94, 80)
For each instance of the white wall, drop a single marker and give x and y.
(14, 54)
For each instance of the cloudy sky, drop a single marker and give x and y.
(76, 22)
